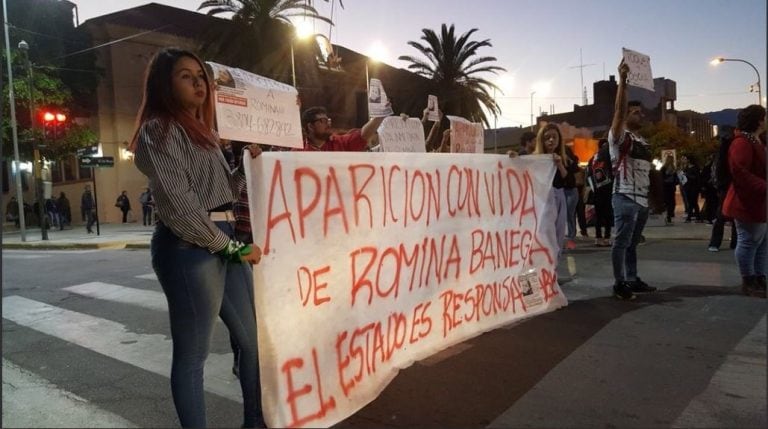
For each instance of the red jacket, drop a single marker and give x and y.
(745, 200)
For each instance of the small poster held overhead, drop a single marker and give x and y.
(378, 103)
(466, 136)
(255, 109)
(432, 114)
(639, 69)
(398, 134)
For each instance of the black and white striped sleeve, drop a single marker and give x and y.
(162, 154)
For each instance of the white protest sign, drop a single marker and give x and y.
(466, 137)
(378, 103)
(639, 69)
(668, 152)
(432, 107)
(255, 109)
(397, 134)
(373, 262)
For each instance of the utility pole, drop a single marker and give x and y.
(582, 89)
(15, 134)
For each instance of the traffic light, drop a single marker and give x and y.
(54, 123)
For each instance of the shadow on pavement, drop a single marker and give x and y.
(472, 388)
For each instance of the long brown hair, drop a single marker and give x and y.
(160, 103)
(560, 149)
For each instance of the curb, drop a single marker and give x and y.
(112, 245)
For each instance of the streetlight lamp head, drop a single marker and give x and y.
(303, 29)
(23, 45)
(717, 61)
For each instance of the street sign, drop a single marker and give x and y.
(88, 150)
(96, 161)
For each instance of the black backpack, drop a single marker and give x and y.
(600, 168)
(721, 173)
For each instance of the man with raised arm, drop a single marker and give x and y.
(631, 159)
(316, 126)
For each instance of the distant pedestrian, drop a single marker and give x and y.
(669, 182)
(65, 211)
(722, 181)
(691, 187)
(600, 180)
(146, 207)
(745, 200)
(88, 207)
(12, 212)
(631, 159)
(124, 204)
(53, 212)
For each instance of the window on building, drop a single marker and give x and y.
(70, 166)
(56, 171)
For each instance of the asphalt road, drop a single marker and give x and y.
(86, 344)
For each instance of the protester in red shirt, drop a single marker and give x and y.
(745, 201)
(318, 136)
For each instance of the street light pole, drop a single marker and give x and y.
(532, 124)
(36, 167)
(719, 60)
(14, 131)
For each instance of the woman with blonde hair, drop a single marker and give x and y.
(549, 141)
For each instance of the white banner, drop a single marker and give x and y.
(372, 262)
(466, 137)
(401, 135)
(255, 109)
(639, 69)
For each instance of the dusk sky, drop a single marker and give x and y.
(538, 42)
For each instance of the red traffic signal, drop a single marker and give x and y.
(54, 124)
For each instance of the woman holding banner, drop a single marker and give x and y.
(194, 253)
(549, 141)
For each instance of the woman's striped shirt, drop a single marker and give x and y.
(187, 181)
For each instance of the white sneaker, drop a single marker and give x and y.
(713, 249)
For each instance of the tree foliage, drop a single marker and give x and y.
(455, 67)
(63, 78)
(49, 92)
(665, 135)
(258, 38)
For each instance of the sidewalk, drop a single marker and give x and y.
(111, 236)
(136, 236)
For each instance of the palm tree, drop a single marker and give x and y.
(258, 38)
(453, 66)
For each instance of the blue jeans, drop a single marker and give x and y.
(199, 287)
(629, 220)
(752, 248)
(557, 202)
(571, 201)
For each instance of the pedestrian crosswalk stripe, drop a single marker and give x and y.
(110, 292)
(150, 276)
(20, 256)
(26, 394)
(151, 352)
(125, 295)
